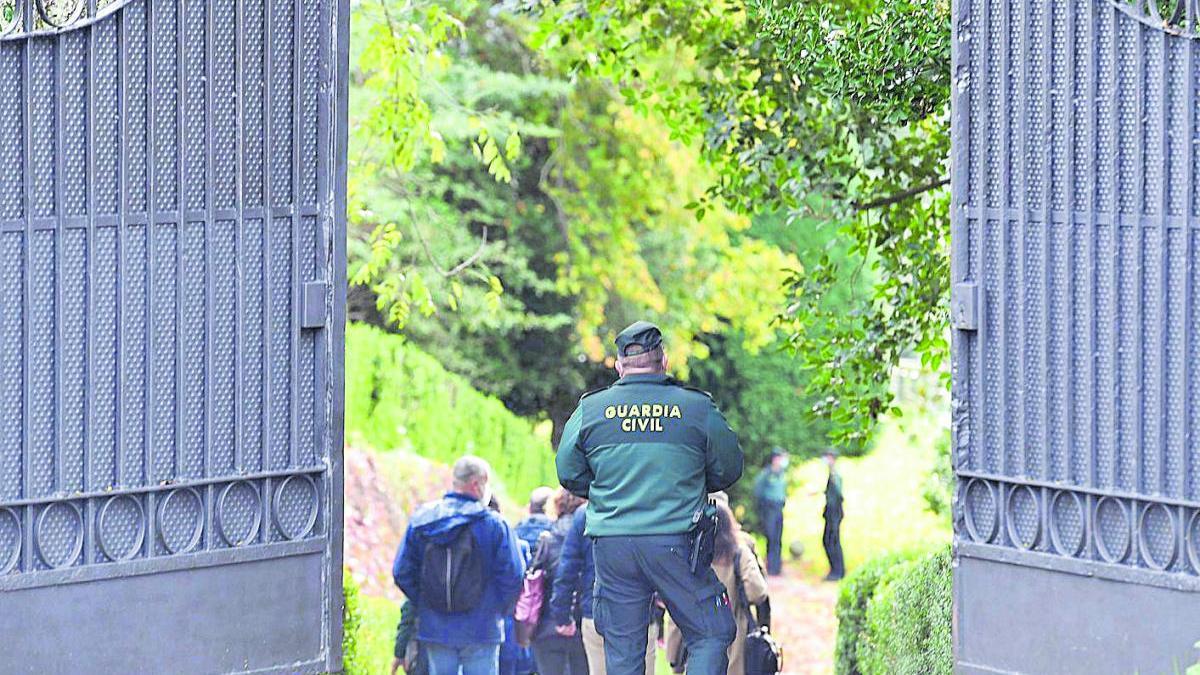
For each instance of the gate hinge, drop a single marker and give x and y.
(964, 306)
(312, 304)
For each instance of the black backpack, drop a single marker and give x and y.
(762, 655)
(452, 574)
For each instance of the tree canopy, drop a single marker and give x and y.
(533, 176)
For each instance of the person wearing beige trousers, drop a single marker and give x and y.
(593, 644)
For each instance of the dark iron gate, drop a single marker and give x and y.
(172, 265)
(1076, 177)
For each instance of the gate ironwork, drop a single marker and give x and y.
(172, 265)
(1076, 411)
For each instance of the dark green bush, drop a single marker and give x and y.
(352, 663)
(854, 596)
(908, 620)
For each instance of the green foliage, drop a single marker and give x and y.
(352, 658)
(520, 284)
(835, 107)
(377, 634)
(909, 620)
(939, 483)
(398, 397)
(854, 595)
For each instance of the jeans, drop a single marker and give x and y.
(771, 515)
(480, 659)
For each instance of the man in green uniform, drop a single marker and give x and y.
(647, 451)
(770, 496)
(832, 538)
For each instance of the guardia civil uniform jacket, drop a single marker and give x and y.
(646, 452)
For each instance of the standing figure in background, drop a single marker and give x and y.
(647, 451)
(770, 496)
(833, 520)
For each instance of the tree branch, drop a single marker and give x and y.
(901, 196)
(457, 269)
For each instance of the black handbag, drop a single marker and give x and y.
(762, 655)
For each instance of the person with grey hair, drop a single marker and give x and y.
(461, 566)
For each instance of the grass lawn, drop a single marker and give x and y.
(884, 510)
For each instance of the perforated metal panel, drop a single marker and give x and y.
(1076, 170)
(172, 188)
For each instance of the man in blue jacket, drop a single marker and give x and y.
(468, 639)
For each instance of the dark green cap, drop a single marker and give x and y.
(639, 338)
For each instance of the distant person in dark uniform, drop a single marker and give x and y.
(770, 496)
(833, 520)
(647, 451)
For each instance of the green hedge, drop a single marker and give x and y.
(894, 616)
(854, 594)
(400, 397)
(352, 663)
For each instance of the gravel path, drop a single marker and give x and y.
(803, 618)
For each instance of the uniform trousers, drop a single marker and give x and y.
(771, 516)
(832, 539)
(629, 571)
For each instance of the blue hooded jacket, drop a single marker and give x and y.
(504, 569)
(575, 579)
(532, 527)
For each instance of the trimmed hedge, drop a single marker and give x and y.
(909, 620)
(397, 396)
(854, 594)
(894, 616)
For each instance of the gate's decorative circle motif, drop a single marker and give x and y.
(295, 506)
(181, 520)
(10, 16)
(1192, 540)
(59, 534)
(981, 515)
(1172, 16)
(10, 540)
(1112, 523)
(60, 13)
(1156, 529)
(239, 513)
(120, 527)
(1066, 523)
(1024, 521)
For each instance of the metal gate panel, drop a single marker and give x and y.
(1076, 387)
(172, 265)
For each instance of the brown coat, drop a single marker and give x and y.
(756, 591)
